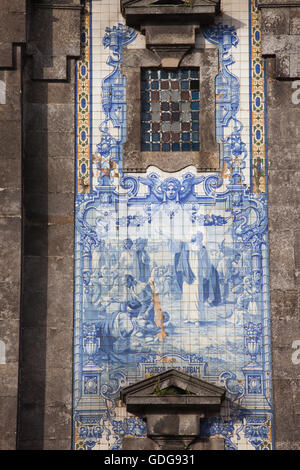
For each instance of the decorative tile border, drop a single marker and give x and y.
(83, 106)
(257, 105)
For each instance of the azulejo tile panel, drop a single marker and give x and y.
(171, 270)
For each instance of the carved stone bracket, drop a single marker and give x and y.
(170, 43)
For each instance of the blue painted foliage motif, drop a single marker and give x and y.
(108, 153)
(228, 100)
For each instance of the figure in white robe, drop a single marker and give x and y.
(198, 280)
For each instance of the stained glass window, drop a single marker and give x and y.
(170, 110)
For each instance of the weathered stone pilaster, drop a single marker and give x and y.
(281, 35)
(10, 248)
(53, 38)
(47, 301)
(284, 218)
(12, 31)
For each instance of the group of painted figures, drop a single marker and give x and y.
(122, 293)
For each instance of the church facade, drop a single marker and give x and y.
(150, 217)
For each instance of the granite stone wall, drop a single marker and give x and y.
(281, 48)
(10, 249)
(284, 218)
(45, 398)
(37, 122)
(12, 32)
(47, 301)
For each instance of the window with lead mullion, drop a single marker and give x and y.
(170, 110)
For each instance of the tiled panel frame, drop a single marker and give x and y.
(144, 229)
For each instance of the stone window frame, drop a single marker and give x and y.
(205, 160)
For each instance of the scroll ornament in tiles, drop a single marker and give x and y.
(251, 223)
(108, 153)
(228, 100)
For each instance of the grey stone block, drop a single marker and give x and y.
(52, 239)
(13, 5)
(10, 300)
(10, 249)
(280, 37)
(10, 174)
(10, 136)
(8, 440)
(8, 380)
(57, 444)
(34, 350)
(52, 92)
(10, 201)
(53, 144)
(14, 26)
(59, 350)
(6, 55)
(60, 389)
(58, 420)
(43, 207)
(31, 428)
(275, 21)
(282, 360)
(52, 117)
(37, 304)
(281, 250)
(9, 334)
(58, 40)
(213, 444)
(135, 443)
(294, 21)
(285, 304)
(297, 249)
(8, 417)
